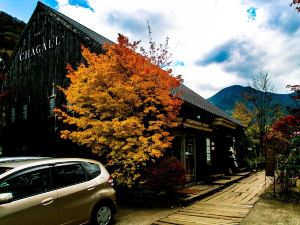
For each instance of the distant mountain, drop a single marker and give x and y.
(228, 97)
(10, 31)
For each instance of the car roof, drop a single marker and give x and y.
(18, 163)
(19, 158)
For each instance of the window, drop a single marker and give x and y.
(177, 147)
(27, 183)
(212, 145)
(13, 115)
(25, 113)
(51, 105)
(208, 151)
(68, 174)
(93, 169)
(52, 101)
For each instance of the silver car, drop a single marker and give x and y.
(52, 191)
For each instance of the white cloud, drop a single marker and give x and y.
(204, 79)
(195, 28)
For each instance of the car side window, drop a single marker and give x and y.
(27, 183)
(93, 169)
(68, 174)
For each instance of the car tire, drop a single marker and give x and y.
(103, 215)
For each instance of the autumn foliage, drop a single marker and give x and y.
(286, 129)
(296, 4)
(287, 126)
(296, 89)
(247, 118)
(119, 106)
(164, 175)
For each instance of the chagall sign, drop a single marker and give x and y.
(39, 48)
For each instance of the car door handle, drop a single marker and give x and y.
(90, 187)
(47, 201)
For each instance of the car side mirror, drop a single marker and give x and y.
(5, 198)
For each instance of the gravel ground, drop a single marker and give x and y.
(141, 215)
(273, 212)
(265, 212)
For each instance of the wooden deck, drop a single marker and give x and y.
(227, 207)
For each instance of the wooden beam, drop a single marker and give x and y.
(223, 122)
(196, 125)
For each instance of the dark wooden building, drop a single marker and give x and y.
(49, 42)
(203, 139)
(38, 66)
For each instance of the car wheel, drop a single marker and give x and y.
(103, 215)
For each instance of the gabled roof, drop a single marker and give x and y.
(96, 41)
(193, 98)
(73, 25)
(84, 34)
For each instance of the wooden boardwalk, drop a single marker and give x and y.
(227, 207)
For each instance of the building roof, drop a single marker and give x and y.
(95, 41)
(84, 34)
(186, 94)
(195, 99)
(75, 26)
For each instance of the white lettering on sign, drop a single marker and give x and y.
(44, 46)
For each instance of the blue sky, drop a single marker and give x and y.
(215, 43)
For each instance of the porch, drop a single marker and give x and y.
(203, 149)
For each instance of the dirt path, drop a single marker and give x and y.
(229, 206)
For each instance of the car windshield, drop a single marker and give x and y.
(4, 169)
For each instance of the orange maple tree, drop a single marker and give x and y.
(119, 105)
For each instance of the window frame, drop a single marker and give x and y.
(67, 164)
(208, 151)
(51, 167)
(29, 170)
(88, 173)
